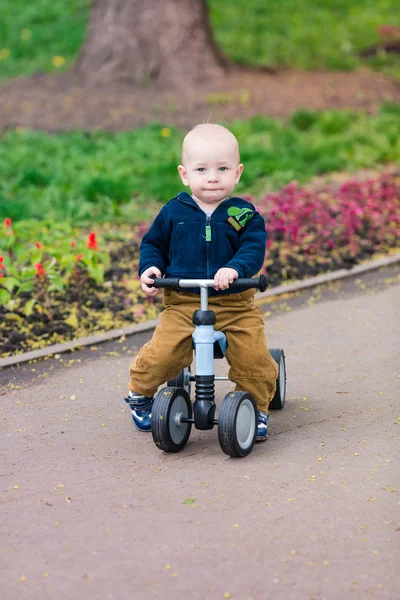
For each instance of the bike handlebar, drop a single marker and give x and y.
(245, 283)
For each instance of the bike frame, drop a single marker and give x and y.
(204, 338)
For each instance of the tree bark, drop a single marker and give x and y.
(139, 41)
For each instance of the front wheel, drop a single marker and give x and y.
(171, 406)
(237, 423)
(278, 400)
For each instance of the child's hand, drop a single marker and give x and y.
(223, 277)
(145, 279)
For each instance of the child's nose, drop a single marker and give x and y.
(212, 176)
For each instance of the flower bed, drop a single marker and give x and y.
(57, 283)
(314, 231)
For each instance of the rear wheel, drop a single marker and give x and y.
(171, 405)
(182, 381)
(278, 400)
(237, 424)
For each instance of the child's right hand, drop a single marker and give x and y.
(146, 279)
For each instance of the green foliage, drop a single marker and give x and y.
(33, 177)
(275, 153)
(119, 189)
(303, 120)
(45, 257)
(87, 177)
(104, 177)
(46, 35)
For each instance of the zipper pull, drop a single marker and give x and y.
(208, 228)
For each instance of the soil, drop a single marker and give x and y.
(62, 102)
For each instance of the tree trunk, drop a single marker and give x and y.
(138, 41)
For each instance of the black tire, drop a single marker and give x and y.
(182, 381)
(278, 401)
(237, 424)
(168, 433)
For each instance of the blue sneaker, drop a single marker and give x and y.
(141, 407)
(262, 428)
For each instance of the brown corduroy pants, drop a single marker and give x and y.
(252, 367)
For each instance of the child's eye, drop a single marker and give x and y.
(223, 169)
(201, 169)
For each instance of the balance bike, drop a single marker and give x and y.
(173, 414)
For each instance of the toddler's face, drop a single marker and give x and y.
(210, 168)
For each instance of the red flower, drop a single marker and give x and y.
(73, 243)
(39, 245)
(1, 275)
(7, 222)
(39, 270)
(79, 257)
(1, 259)
(92, 241)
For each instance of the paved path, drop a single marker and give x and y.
(92, 509)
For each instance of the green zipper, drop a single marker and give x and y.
(208, 228)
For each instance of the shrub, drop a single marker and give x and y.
(316, 230)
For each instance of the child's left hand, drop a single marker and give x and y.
(224, 277)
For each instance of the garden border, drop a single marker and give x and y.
(141, 327)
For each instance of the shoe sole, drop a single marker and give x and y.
(142, 430)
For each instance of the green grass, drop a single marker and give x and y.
(102, 177)
(303, 34)
(35, 31)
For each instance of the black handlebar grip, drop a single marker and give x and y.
(246, 283)
(165, 282)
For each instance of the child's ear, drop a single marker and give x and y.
(183, 174)
(239, 171)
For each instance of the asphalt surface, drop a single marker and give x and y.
(92, 509)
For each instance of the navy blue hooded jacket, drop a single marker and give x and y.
(185, 242)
